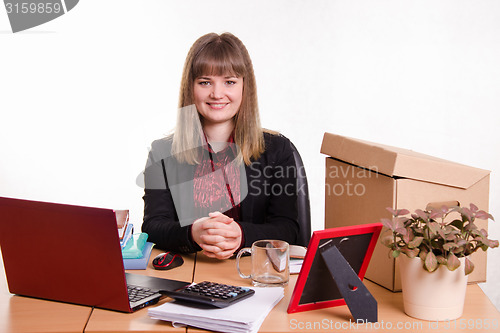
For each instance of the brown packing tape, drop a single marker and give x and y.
(437, 205)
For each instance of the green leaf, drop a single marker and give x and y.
(436, 214)
(459, 224)
(415, 242)
(409, 236)
(450, 237)
(452, 263)
(441, 260)
(399, 222)
(387, 223)
(469, 248)
(411, 253)
(423, 253)
(468, 267)
(449, 246)
(430, 262)
(477, 234)
(466, 214)
(401, 231)
(441, 233)
(390, 210)
(396, 253)
(387, 240)
(433, 227)
(403, 212)
(482, 215)
(423, 215)
(398, 212)
(470, 226)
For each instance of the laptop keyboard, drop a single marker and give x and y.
(136, 293)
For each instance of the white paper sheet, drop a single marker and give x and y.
(244, 316)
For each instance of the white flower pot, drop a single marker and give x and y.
(435, 296)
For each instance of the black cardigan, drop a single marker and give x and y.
(269, 211)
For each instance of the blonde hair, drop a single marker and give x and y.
(214, 54)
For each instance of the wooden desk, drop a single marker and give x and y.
(139, 321)
(478, 311)
(24, 314)
(21, 314)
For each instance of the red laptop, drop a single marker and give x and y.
(70, 254)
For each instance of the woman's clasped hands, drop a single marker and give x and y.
(218, 235)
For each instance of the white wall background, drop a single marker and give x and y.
(82, 97)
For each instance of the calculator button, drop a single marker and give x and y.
(215, 294)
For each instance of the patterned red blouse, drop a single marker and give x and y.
(217, 182)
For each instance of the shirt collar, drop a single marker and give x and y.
(225, 151)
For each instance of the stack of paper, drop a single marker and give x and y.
(245, 316)
(295, 265)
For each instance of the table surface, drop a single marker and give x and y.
(139, 321)
(478, 310)
(23, 314)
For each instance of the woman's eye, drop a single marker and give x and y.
(230, 82)
(204, 83)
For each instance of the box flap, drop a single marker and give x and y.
(399, 162)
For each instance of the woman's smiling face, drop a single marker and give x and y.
(218, 97)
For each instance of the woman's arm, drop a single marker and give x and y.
(272, 189)
(161, 225)
(161, 222)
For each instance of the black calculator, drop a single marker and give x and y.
(210, 293)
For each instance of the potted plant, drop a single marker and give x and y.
(436, 244)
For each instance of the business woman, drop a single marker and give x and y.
(220, 181)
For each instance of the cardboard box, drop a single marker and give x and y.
(364, 178)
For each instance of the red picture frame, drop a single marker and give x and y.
(368, 233)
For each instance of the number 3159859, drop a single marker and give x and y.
(32, 8)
